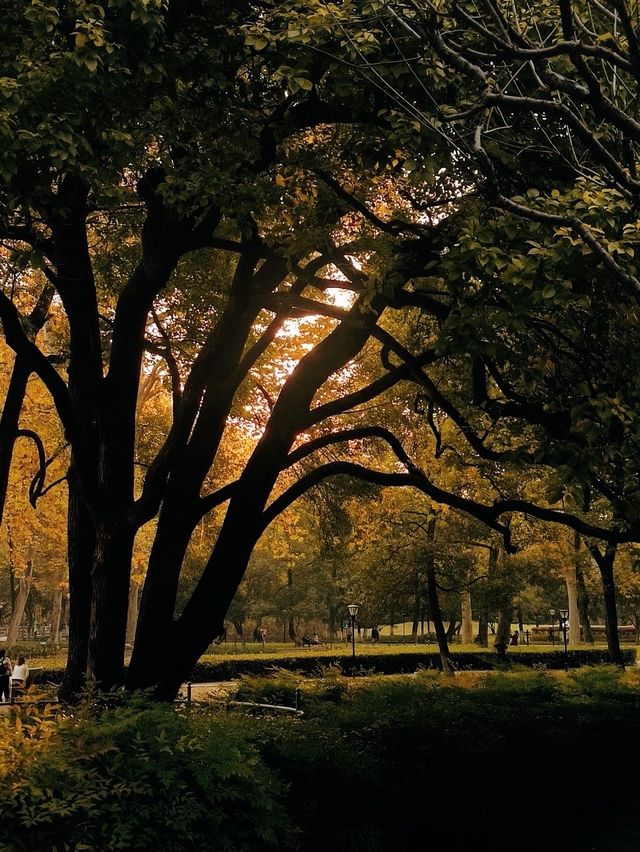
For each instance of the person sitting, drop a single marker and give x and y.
(514, 638)
(308, 640)
(20, 674)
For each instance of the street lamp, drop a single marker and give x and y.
(552, 613)
(353, 611)
(564, 620)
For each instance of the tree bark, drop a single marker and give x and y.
(80, 548)
(466, 630)
(571, 582)
(483, 618)
(24, 587)
(132, 612)
(417, 604)
(583, 596)
(14, 400)
(109, 606)
(432, 594)
(503, 631)
(56, 615)
(291, 625)
(605, 562)
(244, 522)
(9, 423)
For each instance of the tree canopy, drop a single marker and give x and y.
(247, 224)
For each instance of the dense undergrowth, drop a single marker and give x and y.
(527, 760)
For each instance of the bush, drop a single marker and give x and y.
(403, 663)
(281, 686)
(136, 778)
(230, 668)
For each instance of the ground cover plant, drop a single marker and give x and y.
(135, 778)
(475, 760)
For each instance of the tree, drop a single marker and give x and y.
(87, 175)
(538, 105)
(185, 189)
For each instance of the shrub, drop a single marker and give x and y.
(281, 686)
(136, 778)
(402, 663)
(230, 668)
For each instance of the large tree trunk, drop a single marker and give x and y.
(245, 520)
(56, 615)
(453, 623)
(605, 561)
(417, 604)
(483, 617)
(132, 612)
(466, 630)
(24, 587)
(503, 630)
(181, 511)
(81, 544)
(432, 594)
(291, 625)
(583, 596)
(109, 606)
(571, 582)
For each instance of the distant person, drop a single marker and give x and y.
(514, 638)
(20, 673)
(375, 634)
(5, 675)
(257, 634)
(263, 636)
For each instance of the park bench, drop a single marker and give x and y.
(21, 690)
(307, 641)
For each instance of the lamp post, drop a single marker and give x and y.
(563, 617)
(552, 613)
(353, 611)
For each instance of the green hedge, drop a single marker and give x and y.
(400, 663)
(412, 661)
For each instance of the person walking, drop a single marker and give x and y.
(5, 675)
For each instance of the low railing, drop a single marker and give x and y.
(284, 708)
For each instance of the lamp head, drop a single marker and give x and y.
(353, 610)
(563, 614)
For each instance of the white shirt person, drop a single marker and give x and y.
(20, 673)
